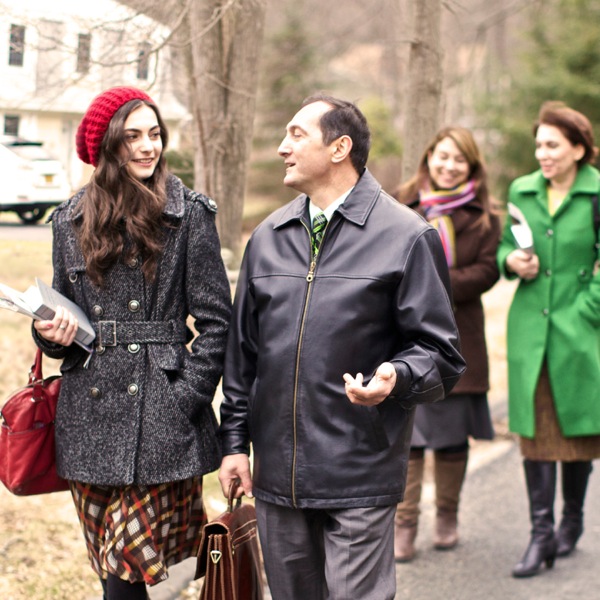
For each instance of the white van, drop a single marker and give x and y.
(32, 181)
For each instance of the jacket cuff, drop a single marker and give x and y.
(403, 380)
(50, 349)
(233, 443)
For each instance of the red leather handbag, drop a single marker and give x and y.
(229, 557)
(27, 447)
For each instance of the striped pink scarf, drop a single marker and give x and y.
(439, 205)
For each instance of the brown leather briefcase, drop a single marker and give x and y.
(229, 557)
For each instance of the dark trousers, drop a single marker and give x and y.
(327, 554)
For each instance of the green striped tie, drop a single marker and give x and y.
(318, 228)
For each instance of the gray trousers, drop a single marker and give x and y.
(325, 554)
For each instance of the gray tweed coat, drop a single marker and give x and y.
(140, 410)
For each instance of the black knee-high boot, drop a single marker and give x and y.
(118, 589)
(541, 488)
(575, 477)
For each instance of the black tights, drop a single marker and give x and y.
(118, 589)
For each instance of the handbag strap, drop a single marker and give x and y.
(36, 368)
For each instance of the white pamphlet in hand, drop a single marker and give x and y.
(40, 302)
(520, 229)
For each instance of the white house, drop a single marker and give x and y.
(56, 56)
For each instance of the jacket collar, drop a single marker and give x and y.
(586, 182)
(175, 205)
(356, 208)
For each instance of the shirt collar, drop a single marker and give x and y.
(328, 212)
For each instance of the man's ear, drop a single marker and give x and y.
(341, 148)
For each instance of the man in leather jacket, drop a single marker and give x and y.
(331, 346)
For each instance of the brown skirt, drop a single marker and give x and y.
(549, 442)
(136, 532)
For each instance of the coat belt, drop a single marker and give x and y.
(111, 333)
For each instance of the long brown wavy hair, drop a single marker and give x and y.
(408, 193)
(122, 217)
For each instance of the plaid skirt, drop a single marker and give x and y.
(137, 532)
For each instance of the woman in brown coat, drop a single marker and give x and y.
(450, 191)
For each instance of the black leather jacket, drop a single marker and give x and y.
(378, 292)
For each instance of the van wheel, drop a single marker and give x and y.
(30, 217)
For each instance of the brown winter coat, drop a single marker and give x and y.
(475, 272)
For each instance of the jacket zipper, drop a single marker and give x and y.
(309, 278)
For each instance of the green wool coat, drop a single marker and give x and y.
(556, 315)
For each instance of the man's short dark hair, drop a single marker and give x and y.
(344, 118)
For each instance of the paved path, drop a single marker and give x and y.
(494, 533)
(13, 230)
(494, 530)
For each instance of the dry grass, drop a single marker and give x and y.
(20, 263)
(42, 555)
(42, 552)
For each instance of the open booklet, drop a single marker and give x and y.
(40, 302)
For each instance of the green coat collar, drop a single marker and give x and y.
(586, 182)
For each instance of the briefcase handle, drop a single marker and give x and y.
(233, 486)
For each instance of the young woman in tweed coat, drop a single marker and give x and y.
(135, 430)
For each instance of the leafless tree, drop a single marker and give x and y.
(424, 82)
(217, 46)
(224, 75)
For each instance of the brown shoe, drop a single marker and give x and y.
(404, 542)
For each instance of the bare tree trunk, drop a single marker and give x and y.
(424, 91)
(218, 44)
(226, 39)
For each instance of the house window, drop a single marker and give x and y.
(11, 124)
(143, 60)
(16, 48)
(84, 46)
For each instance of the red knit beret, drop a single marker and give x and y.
(94, 124)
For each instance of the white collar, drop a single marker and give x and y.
(328, 212)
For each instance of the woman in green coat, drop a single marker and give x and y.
(554, 328)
